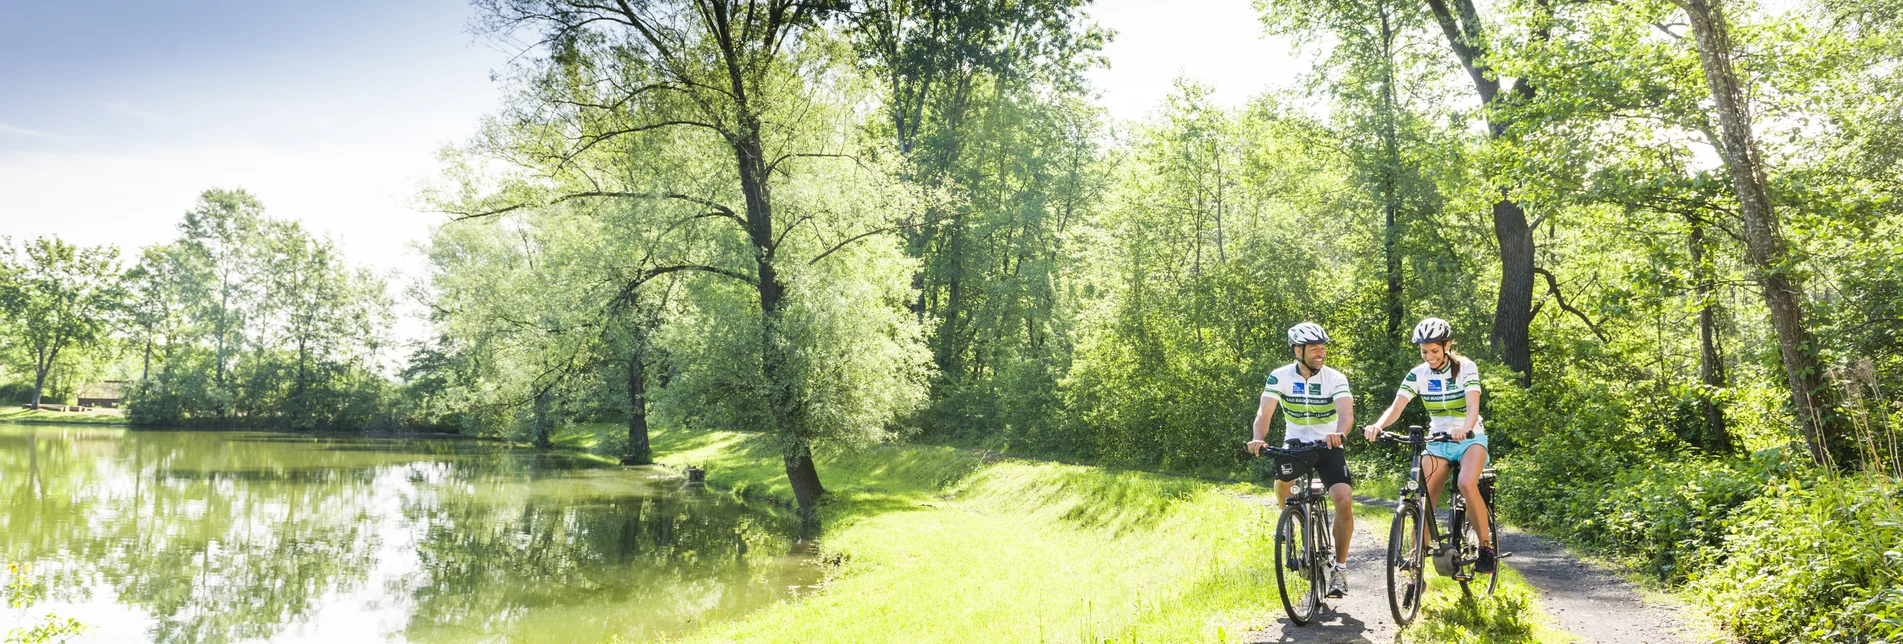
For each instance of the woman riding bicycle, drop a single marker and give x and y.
(1449, 387)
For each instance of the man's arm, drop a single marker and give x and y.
(1344, 420)
(1264, 413)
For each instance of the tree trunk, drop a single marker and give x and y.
(1711, 365)
(39, 383)
(1764, 241)
(40, 369)
(804, 476)
(639, 452)
(1390, 233)
(797, 452)
(541, 420)
(1513, 312)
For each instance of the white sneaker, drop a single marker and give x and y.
(1338, 582)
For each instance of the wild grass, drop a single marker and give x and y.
(18, 415)
(1510, 615)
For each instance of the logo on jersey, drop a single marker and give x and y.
(1272, 379)
(1433, 385)
(1410, 377)
(1295, 387)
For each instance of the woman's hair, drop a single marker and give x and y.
(1447, 345)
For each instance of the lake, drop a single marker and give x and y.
(284, 537)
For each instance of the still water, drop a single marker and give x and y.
(252, 536)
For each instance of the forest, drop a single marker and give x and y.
(1667, 232)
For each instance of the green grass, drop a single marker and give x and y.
(14, 414)
(1511, 615)
(929, 543)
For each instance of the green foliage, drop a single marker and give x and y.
(1447, 615)
(22, 592)
(1814, 559)
(251, 321)
(56, 298)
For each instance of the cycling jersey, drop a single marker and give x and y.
(1307, 403)
(1445, 400)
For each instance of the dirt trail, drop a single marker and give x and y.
(1580, 598)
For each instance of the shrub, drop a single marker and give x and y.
(1813, 560)
(1673, 515)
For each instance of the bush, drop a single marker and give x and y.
(16, 393)
(1815, 560)
(1673, 515)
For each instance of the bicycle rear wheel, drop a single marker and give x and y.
(1294, 565)
(1487, 581)
(1406, 564)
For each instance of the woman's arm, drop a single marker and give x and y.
(1473, 414)
(1387, 417)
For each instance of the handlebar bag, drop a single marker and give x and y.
(1289, 468)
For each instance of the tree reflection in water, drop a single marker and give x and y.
(226, 537)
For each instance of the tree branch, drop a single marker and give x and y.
(1552, 286)
(878, 231)
(593, 140)
(717, 209)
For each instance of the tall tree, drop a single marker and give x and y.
(220, 240)
(1471, 42)
(152, 301)
(1777, 271)
(60, 298)
(749, 77)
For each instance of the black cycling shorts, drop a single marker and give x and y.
(1330, 465)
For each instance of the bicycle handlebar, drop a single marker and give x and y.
(1295, 448)
(1406, 439)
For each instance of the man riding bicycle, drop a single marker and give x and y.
(1448, 385)
(1319, 408)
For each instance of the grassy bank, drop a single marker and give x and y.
(941, 544)
(14, 414)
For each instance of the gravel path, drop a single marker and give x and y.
(1582, 599)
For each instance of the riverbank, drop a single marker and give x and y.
(49, 417)
(943, 544)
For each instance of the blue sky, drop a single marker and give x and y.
(114, 115)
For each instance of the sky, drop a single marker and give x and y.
(115, 115)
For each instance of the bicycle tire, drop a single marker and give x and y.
(1493, 579)
(1294, 565)
(1407, 581)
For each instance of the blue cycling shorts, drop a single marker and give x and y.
(1452, 451)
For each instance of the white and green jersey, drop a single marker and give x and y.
(1445, 400)
(1307, 403)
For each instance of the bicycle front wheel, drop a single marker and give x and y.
(1294, 565)
(1406, 563)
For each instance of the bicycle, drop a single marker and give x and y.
(1454, 553)
(1303, 545)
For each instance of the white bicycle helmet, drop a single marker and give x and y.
(1432, 330)
(1306, 333)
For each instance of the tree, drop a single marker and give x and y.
(751, 79)
(219, 239)
(60, 298)
(1777, 272)
(1468, 38)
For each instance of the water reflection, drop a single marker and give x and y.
(226, 537)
